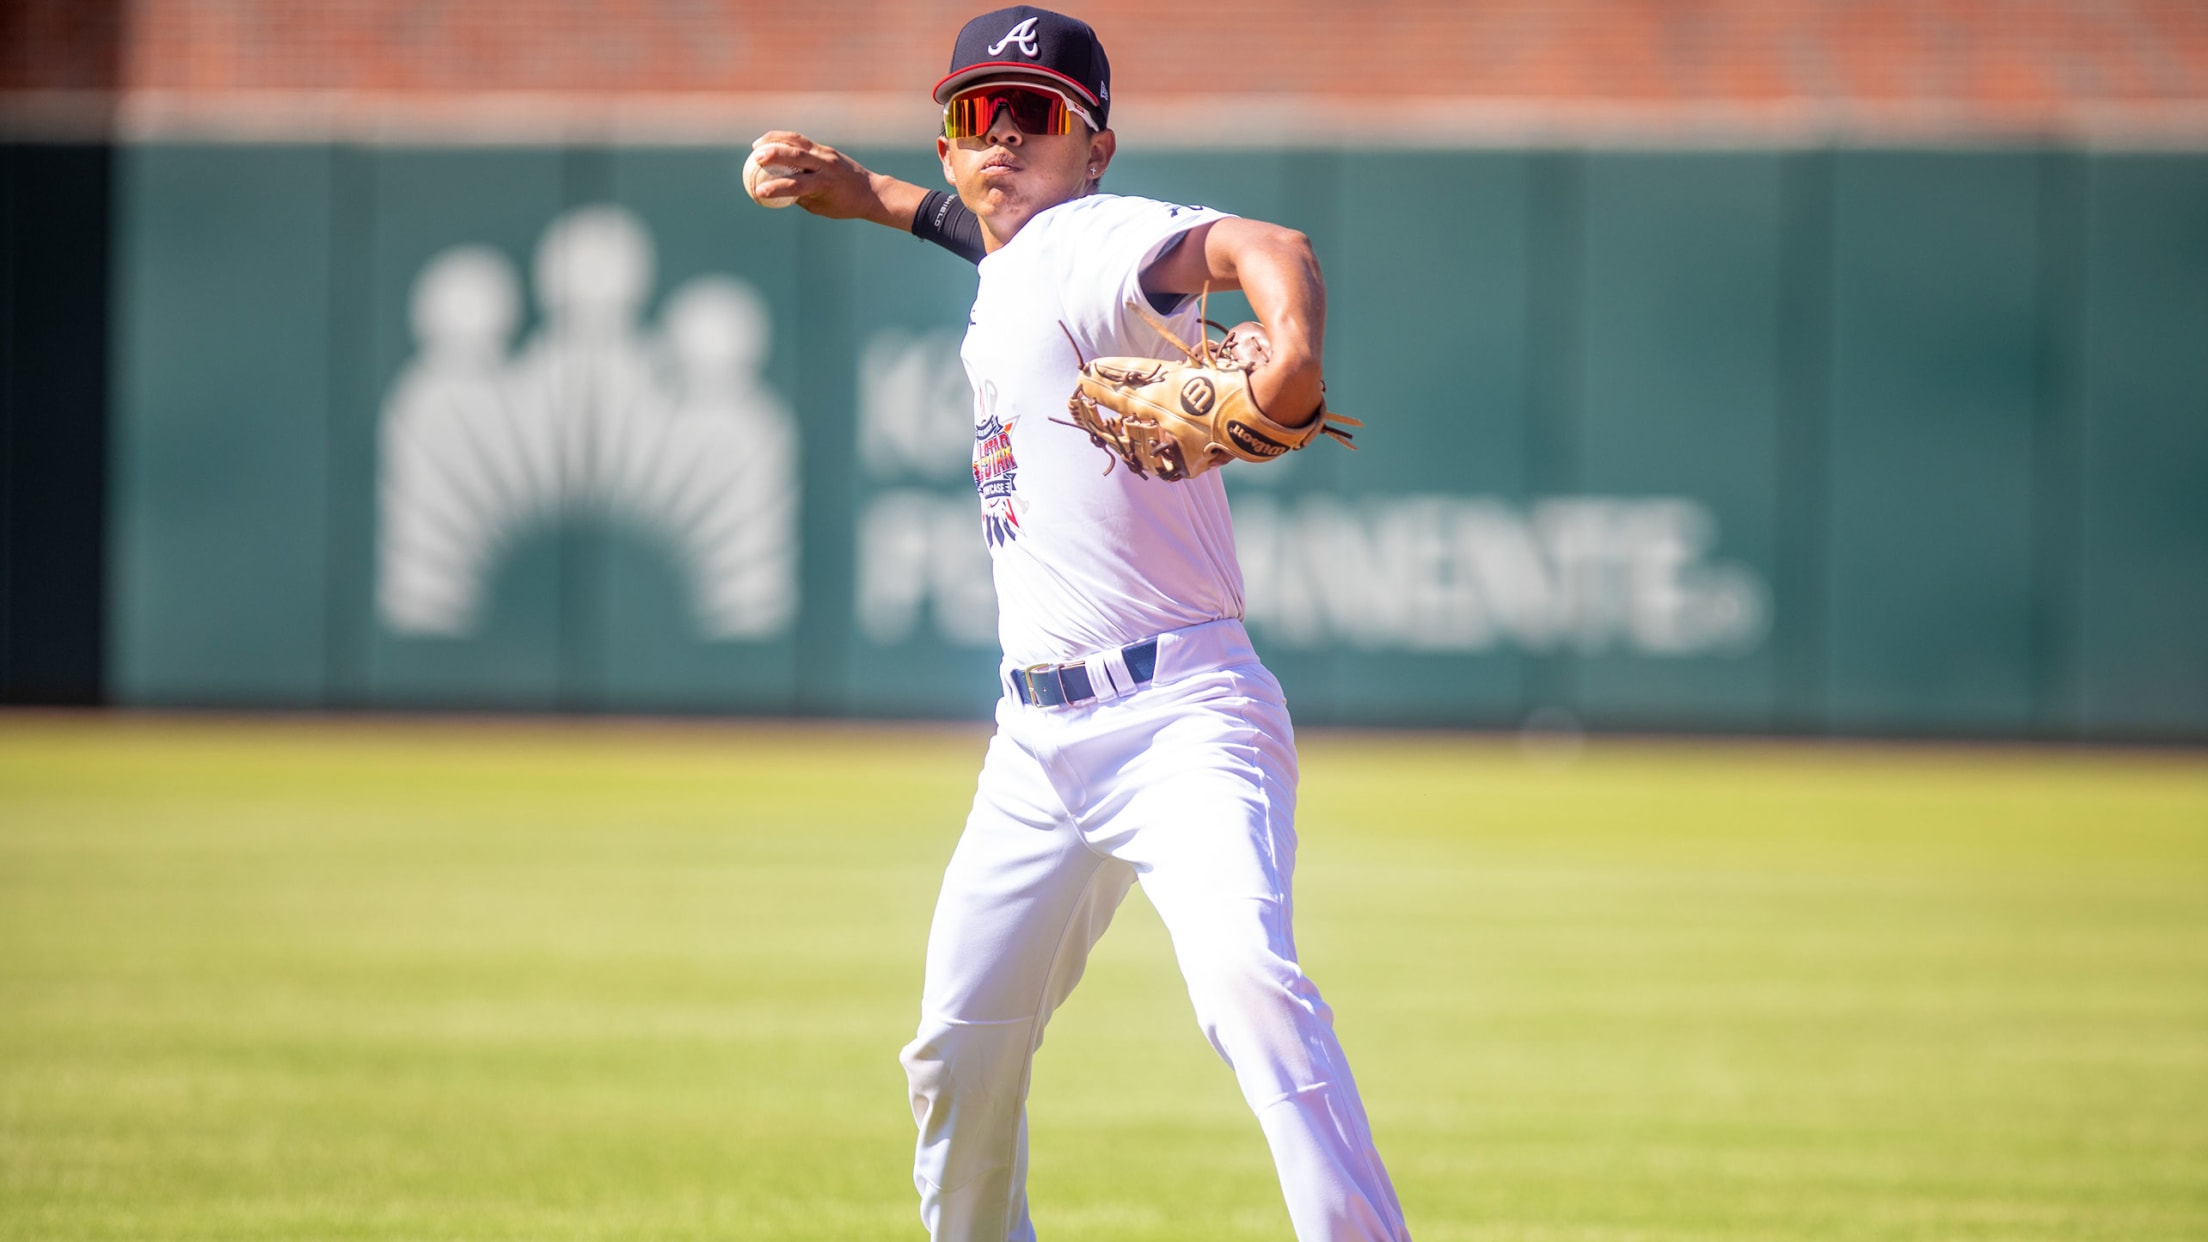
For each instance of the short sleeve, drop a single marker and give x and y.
(1107, 252)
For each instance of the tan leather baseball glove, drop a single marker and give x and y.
(1178, 419)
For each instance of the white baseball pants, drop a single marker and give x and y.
(1189, 785)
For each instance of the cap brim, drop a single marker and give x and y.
(1010, 69)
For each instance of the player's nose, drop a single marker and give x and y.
(1002, 132)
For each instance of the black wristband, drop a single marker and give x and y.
(944, 220)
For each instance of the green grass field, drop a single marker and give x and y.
(444, 981)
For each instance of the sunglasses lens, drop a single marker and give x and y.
(1037, 113)
(969, 115)
(961, 116)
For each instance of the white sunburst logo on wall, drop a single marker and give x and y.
(670, 428)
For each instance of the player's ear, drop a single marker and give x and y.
(943, 153)
(1103, 144)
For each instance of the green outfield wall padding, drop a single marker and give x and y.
(1890, 442)
(919, 625)
(438, 226)
(1934, 401)
(1427, 342)
(221, 502)
(2144, 584)
(715, 258)
(1679, 394)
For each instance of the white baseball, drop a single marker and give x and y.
(755, 172)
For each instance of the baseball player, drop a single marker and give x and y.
(1139, 738)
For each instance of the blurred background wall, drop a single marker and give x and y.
(1792, 367)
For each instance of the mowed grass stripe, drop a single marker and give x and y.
(480, 980)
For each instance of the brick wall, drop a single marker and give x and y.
(1399, 67)
(59, 45)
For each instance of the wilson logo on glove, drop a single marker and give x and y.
(1197, 395)
(1254, 445)
(1177, 420)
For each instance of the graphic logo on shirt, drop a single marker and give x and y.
(1022, 36)
(996, 475)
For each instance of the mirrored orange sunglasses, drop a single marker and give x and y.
(1034, 109)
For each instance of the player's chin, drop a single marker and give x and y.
(988, 196)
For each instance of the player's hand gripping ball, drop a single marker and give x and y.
(755, 172)
(1177, 420)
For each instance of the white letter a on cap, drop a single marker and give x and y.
(1022, 34)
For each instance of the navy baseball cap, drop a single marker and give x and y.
(1024, 41)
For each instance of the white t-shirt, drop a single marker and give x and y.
(1085, 560)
